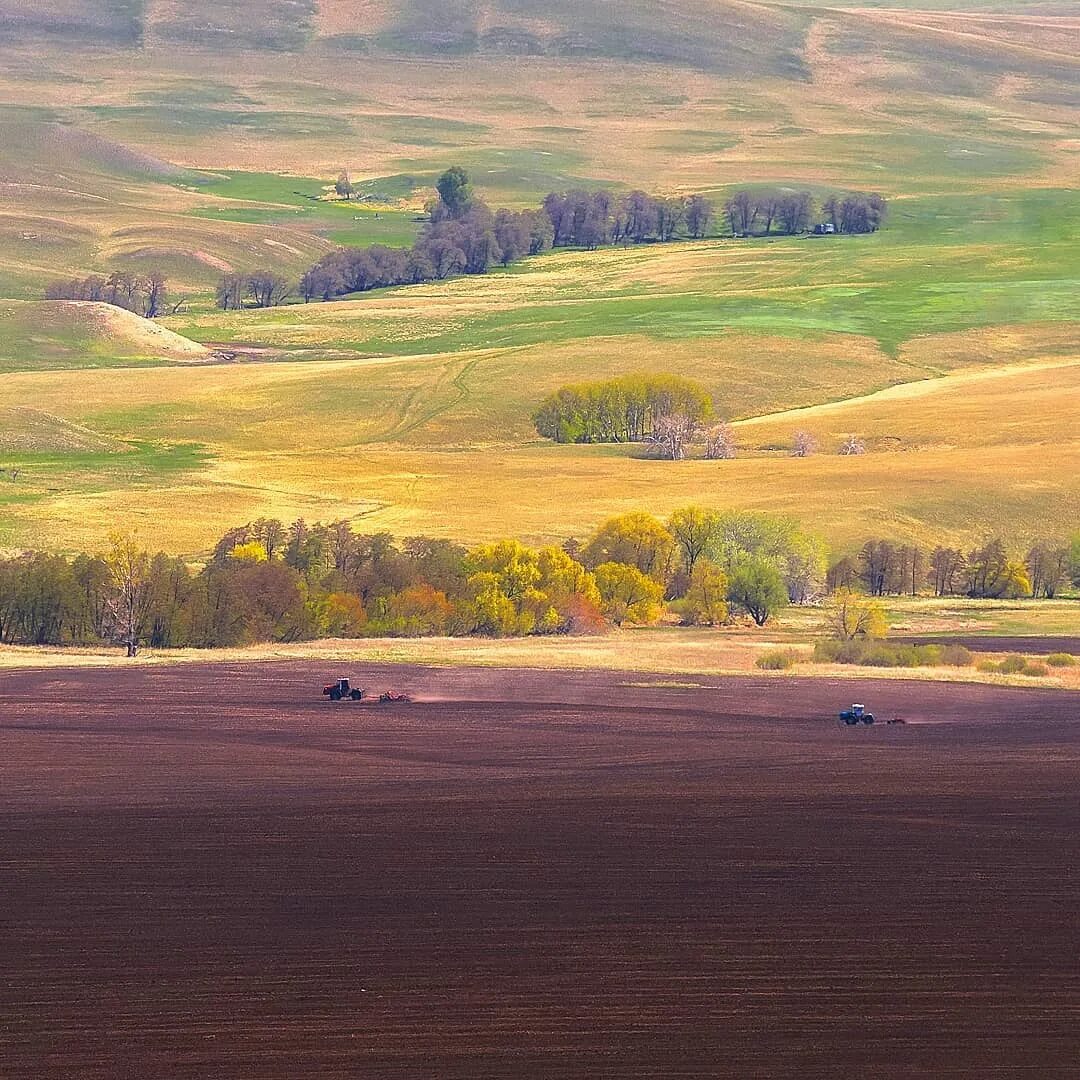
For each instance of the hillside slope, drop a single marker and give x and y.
(68, 334)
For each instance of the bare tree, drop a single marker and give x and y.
(230, 292)
(852, 446)
(672, 434)
(803, 444)
(947, 568)
(768, 207)
(720, 443)
(155, 289)
(267, 288)
(699, 213)
(741, 211)
(795, 212)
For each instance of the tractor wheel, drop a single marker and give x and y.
(868, 719)
(356, 695)
(335, 694)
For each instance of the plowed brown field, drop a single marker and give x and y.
(212, 872)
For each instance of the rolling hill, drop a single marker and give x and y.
(199, 140)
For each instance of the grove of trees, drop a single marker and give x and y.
(147, 294)
(989, 571)
(763, 211)
(631, 408)
(465, 236)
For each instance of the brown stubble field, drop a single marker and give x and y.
(210, 872)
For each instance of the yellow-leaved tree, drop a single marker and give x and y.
(850, 615)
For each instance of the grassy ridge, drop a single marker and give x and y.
(944, 264)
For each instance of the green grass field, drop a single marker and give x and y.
(949, 340)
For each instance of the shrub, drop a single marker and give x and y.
(1061, 659)
(988, 666)
(929, 656)
(1012, 664)
(956, 656)
(777, 660)
(1035, 671)
(870, 653)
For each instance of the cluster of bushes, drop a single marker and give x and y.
(270, 582)
(1014, 664)
(990, 571)
(758, 212)
(146, 295)
(870, 652)
(464, 236)
(777, 660)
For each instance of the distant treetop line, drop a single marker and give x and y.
(464, 236)
(266, 581)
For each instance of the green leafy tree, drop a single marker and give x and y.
(455, 191)
(757, 588)
(694, 530)
(705, 602)
(344, 187)
(1074, 560)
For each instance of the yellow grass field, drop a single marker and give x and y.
(194, 142)
(660, 651)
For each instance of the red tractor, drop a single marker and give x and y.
(342, 691)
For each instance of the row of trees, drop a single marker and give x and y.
(465, 236)
(259, 288)
(761, 211)
(593, 219)
(147, 295)
(270, 582)
(883, 568)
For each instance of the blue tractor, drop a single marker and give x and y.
(856, 715)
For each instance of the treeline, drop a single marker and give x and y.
(146, 295)
(465, 236)
(990, 571)
(267, 582)
(270, 582)
(761, 211)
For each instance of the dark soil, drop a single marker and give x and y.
(1033, 646)
(214, 872)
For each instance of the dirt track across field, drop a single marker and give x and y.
(212, 872)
